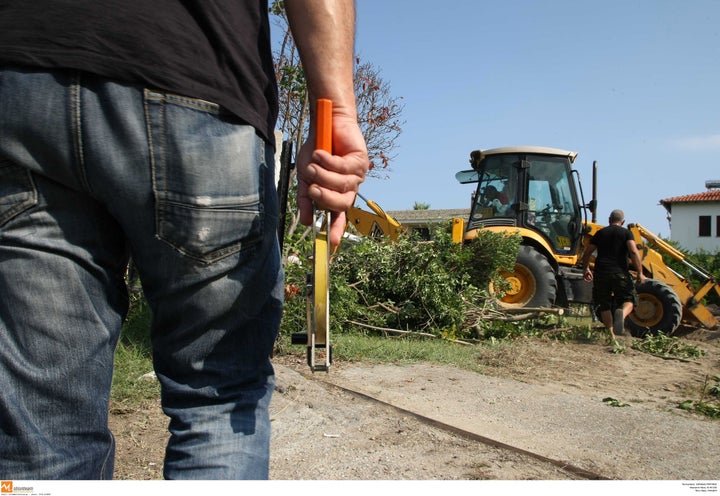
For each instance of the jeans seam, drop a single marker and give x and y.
(108, 464)
(76, 128)
(8, 214)
(183, 101)
(151, 149)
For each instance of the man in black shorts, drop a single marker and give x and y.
(611, 279)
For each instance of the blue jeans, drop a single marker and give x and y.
(91, 172)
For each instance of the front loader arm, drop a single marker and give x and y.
(376, 224)
(652, 247)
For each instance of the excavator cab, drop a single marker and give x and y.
(527, 187)
(532, 191)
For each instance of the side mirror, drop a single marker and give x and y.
(592, 205)
(467, 177)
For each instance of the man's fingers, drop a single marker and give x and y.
(340, 173)
(337, 228)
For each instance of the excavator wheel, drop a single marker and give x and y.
(658, 310)
(532, 282)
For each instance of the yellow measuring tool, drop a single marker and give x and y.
(318, 300)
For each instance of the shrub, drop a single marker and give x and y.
(411, 284)
(708, 262)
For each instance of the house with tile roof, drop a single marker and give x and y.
(424, 221)
(695, 219)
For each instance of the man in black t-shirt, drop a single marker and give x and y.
(146, 127)
(612, 283)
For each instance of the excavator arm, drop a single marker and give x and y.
(652, 247)
(376, 224)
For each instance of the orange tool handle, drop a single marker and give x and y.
(323, 139)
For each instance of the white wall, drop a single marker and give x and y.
(684, 226)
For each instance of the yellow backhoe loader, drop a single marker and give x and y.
(535, 192)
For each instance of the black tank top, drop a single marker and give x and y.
(216, 50)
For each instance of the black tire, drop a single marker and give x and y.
(532, 283)
(658, 310)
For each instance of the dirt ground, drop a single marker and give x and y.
(546, 399)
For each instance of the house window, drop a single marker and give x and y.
(717, 226)
(704, 226)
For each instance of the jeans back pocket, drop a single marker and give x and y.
(207, 177)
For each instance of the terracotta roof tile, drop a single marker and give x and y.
(709, 195)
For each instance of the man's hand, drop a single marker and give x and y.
(331, 182)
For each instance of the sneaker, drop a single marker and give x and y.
(618, 322)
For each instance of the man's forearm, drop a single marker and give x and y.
(585, 262)
(324, 32)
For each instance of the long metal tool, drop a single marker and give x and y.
(319, 350)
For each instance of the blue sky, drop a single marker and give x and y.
(631, 84)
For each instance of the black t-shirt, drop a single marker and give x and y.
(612, 250)
(216, 50)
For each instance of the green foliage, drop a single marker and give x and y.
(614, 402)
(420, 286)
(715, 389)
(496, 330)
(546, 326)
(407, 285)
(710, 407)
(667, 346)
(618, 348)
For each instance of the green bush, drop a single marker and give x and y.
(411, 284)
(707, 261)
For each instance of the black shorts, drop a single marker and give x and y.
(613, 287)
